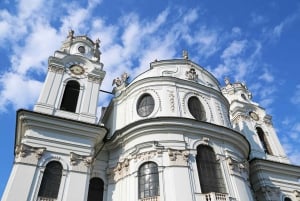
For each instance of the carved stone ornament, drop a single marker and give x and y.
(94, 79)
(121, 81)
(56, 69)
(238, 168)
(172, 100)
(297, 195)
(96, 50)
(75, 159)
(178, 154)
(178, 157)
(119, 171)
(24, 150)
(145, 156)
(191, 74)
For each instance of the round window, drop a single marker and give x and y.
(196, 108)
(145, 105)
(81, 49)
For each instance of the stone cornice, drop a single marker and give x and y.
(179, 125)
(27, 120)
(257, 165)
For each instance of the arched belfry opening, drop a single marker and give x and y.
(263, 139)
(70, 97)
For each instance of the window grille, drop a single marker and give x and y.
(148, 181)
(70, 97)
(145, 105)
(51, 181)
(209, 170)
(96, 189)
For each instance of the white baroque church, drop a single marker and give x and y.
(171, 134)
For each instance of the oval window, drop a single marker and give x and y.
(196, 108)
(81, 49)
(145, 105)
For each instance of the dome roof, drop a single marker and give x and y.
(183, 69)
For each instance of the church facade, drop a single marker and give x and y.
(171, 134)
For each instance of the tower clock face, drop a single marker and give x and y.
(254, 116)
(77, 70)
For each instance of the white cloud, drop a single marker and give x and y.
(296, 97)
(221, 71)
(257, 19)
(234, 49)
(18, 91)
(191, 16)
(276, 32)
(266, 76)
(39, 44)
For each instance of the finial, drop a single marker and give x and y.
(227, 81)
(97, 43)
(185, 54)
(71, 34)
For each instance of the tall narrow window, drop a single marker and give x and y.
(148, 180)
(209, 170)
(96, 189)
(70, 97)
(263, 140)
(196, 108)
(51, 180)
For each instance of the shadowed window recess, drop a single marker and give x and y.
(96, 189)
(70, 97)
(209, 170)
(51, 180)
(196, 108)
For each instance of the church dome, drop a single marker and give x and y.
(170, 88)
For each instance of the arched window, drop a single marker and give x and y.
(209, 170)
(196, 108)
(96, 189)
(51, 180)
(148, 180)
(263, 140)
(70, 97)
(287, 199)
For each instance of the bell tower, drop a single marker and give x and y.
(253, 121)
(74, 77)
(57, 142)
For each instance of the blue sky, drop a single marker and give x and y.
(257, 42)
